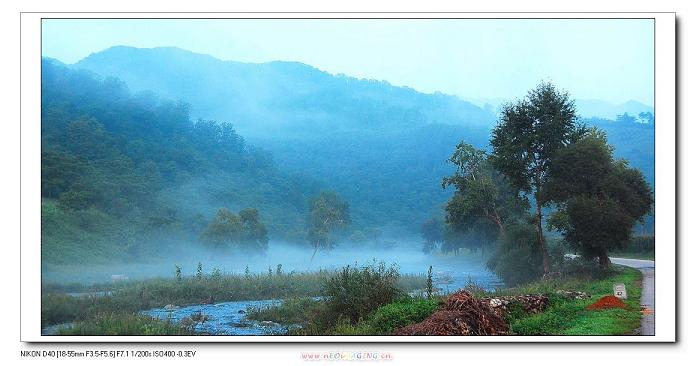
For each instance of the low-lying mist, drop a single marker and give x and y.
(450, 272)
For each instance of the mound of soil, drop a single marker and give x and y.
(462, 314)
(607, 302)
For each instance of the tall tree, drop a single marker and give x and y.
(328, 214)
(225, 228)
(481, 194)
(254, 233)
(526, 138)
(599, 198)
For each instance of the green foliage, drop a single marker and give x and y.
(133, 296)
(639, 247)
(131, 160)
(483, 202)
(530, 132)
(244, 231)
(527, 138)
(354, 292)
(599, 199)
(82, 236)
(389, 317)
(517, 258)
(294, 310)
(199, 271)
(569, 317)
(254, 233)
(429, 283)
(123, 324)
(328, 214)
(226, 228)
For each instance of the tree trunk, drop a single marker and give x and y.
(604, 260)
(316, 248)
(540, 239)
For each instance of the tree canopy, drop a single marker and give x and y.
(599, 198)
(526, 139)
(243, 231)
(328, 214)
(481, 193)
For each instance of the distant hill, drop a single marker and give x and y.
(279, 98)
(601, 109)
(586, 108)
(382, 147)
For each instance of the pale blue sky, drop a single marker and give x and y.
(609, 59)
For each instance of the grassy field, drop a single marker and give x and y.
(130, 297)
(569, 317)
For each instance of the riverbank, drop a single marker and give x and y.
(110, 307)
(277, 303)
(564, 314)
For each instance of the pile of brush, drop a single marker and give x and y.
(461, 314)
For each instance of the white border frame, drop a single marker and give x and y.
(665, 182)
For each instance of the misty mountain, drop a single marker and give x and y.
(287, 99)
(590, 108)
(382, 147)
(586, 108)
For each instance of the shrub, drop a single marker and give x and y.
(517, 258)
(355, 292)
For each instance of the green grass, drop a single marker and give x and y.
(123, 324)
(291, 311)
(133, 296)
(316, 318)
(562, 317)
(569, 317)
(396, 315)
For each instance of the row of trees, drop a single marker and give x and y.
(245, 230)
(543, 158)
(327, 221)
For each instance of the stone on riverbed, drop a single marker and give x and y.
(268, 323)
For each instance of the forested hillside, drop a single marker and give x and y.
(123, 174)
(127, 164)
